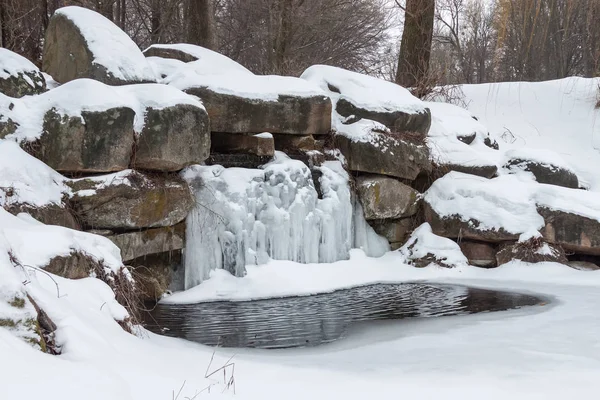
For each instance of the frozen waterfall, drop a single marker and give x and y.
(248, 216)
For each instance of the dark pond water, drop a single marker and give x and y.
(313, 320)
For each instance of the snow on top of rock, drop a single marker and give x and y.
(110, 46)
(548, 158)
(505, 202)
(448, 123)
(77, 96)
(11, 64)
(26, 180)
(259, 87)
(208, 61)
(363, 91)
(35, 244)
(575, 201)
(424, 244)
(163, 67)
(363, 130)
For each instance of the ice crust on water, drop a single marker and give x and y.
(249, 216)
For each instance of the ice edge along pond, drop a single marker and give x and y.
(302, 321)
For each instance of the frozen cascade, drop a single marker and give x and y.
(248, 216)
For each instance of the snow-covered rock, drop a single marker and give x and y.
(357, 96)
(19, 76)
(424, 248)
(130, 200)
(80, 43)
(201, 60)
(244, 103)
(546, 166)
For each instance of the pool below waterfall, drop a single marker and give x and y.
(322, 318)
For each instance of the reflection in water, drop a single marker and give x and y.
(322, 318)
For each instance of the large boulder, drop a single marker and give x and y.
(357, 96)
(172, 138)
(199, 59)
(576, 233)
(386, 198)
(260, 145)
(81, 43)
(295, 144)
(98, 141)
(424, 248)
(395, 231)
(50, 214)
(242, 103)
(149, 241)
(381, 153)
(19, 76)
(130, 200)
(545, 165)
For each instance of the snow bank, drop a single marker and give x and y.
(13, 64)
(424, 248)
(109, 45)
(363, 91)
(208, 62)
(258, 87)
(448, 123)
(26, 180)
(556, 115)
(163, 67)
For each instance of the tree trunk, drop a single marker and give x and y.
(283, 35)
(201, 25)
(155, 21)
(415, 48)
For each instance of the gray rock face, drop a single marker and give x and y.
(386, 198)
(294, 144)
(169, 52)
(395, 231)
(259, 145)
(453, 227)
(156, 274)
(22, 83)
(173, 138)
(479, 254)
(486, 171)
(573, 232)
(131, 201)
(74, 266)
(532, 251)
(102, 142)
(68, 54)
(288, 115)
(397, 121)
(384, 155)
(544, 173)
(150, 241)
(51, 214)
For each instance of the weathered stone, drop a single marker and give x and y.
(51, 214)
(20, 76)
(294, 115)
(397, 121)
(531, 251)
(573, 232)
(467, 138)
(491, 143)
(259, 145)
(395, 231)
(173, 138)
(7, 127)
(309, 158)
(76, 265)
(155, 274)
(131, 200)
(453, 227)
(386, 198)
(170, 52)
(384, 155)
(102, 142)
(69, 54)
(486, 171)
(545, 173)
(479, 254)
(237, 160)
(294, 144)
(150, 241)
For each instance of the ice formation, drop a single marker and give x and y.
(248, 216)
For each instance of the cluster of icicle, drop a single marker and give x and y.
(249, 216)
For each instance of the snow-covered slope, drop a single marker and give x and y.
(558, 115)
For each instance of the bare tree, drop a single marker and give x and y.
(201, 25)
(415, 48)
